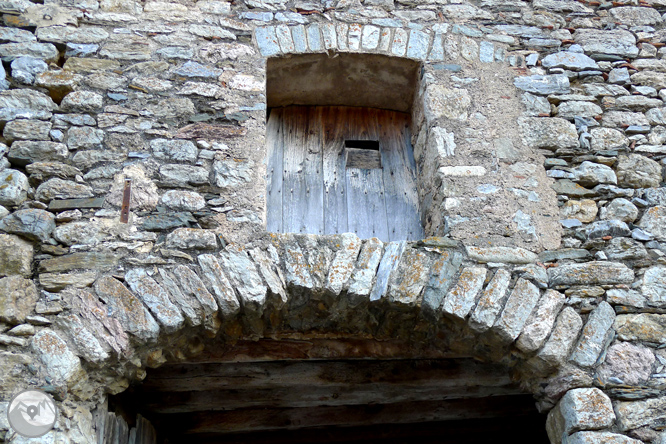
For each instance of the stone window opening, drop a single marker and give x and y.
(339, 153)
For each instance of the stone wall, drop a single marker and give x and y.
(539, 134)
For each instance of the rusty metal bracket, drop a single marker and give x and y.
(127, 194)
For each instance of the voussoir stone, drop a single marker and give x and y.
(31, 223)
(590, 273)
(156, 299)
(124, 306)
(460, 300)
(18, 297)
(540, 324)
(343, 263)
(579, 409)
(245, 277)
(548, 132)
(14, 187)
(594, 336)
(219, 285)
(516, 311)
(85, 342)
(558, 346)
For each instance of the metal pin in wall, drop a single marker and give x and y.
(127, 194)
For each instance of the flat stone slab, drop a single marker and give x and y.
(70, 204)
(590, 273)
(544, 85)
(505, 255)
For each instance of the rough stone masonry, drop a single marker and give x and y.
(539, 134)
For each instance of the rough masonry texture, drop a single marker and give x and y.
(539, 135)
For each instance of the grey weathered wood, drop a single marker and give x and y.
(314, 174)
(274, 168)
(365, 203)
(399, 177)
(276, 419)
(334, 119)
(359, 158)
(446, 373)
(366, 206)
(311, 396)
(309, 142)
(301, 205)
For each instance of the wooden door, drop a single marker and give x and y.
(341, 169)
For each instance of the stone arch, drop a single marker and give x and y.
(83, 353)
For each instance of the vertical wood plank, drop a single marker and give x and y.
(399, 177)
(365, 203)
(275, 147)
(302, 186)
(366, 206)
(334, 124)
(314, 174)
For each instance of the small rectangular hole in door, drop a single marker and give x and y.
(363, 154)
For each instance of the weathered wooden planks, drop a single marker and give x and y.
(278, 374)
(275, 149)
(333, 120)
(396, 413)
(399, 177)
(310, 396)
(328, 189)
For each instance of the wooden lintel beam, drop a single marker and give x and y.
(306, 396)
(276, 419)
(280, 374)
